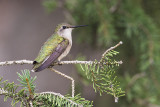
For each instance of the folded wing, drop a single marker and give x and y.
(60, 48)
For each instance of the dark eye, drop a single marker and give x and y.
(64, 27)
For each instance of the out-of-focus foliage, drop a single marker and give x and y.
(126, 20)
(50, 5)
(98, 17)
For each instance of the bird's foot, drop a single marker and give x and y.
(55, 63)
(58, 62)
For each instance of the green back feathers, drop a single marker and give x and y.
(48, 47)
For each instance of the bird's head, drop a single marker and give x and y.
(65, 29)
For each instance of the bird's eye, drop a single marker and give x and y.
(64, 27)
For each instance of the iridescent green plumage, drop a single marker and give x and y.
(48, 48)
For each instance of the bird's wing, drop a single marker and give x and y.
(48, 47)
(51, 50)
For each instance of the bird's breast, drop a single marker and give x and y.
(67, 50)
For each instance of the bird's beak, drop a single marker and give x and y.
(78, 26)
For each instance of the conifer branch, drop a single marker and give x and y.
(61, 96)
(47, 99)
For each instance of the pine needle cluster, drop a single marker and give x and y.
(102, 75)
(28, 98)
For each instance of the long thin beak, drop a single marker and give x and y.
(78, 26)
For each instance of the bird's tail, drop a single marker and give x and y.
(36, 67)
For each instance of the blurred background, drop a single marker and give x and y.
(26, 24)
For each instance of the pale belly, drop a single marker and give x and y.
(65, 52)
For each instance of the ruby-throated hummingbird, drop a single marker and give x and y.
(55, 48)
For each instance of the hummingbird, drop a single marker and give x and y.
(55, 48)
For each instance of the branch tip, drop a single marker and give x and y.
(116, 99)
(120, 62)
(111, 48)
(121, 42)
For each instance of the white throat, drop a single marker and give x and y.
(67, 34)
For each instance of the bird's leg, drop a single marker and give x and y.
(58, 62)
(55, 63)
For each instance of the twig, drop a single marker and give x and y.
(115, 98)
(68, 77)
(111, 48)
(58, 94)
(6, 63)
(75, 62)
